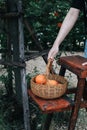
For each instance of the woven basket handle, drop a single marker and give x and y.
(49, 67)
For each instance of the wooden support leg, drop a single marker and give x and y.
(85, 91)
(47, 122)
(62, 71)
(25, 102)
(75, 109)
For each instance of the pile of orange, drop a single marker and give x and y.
(41, 79)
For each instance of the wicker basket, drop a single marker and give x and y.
(49, 92)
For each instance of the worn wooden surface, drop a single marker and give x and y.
(74, 64)
(51, 105)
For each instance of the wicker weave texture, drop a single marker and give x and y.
(50, 92)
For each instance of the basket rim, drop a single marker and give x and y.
(54, 75)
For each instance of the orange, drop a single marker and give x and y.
(59, 25)
(40, 79)
(52, 82)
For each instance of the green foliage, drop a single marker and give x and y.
(2, 2)
(45, 16)
(2, 5)
(10, 119)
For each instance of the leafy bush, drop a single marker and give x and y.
(46, 17)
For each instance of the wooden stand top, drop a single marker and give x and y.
(51, 105)
(75, 64)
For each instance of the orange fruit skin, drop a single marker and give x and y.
(40, 79)
(59, 25)
(52, 82)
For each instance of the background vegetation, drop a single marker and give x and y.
(46, 17)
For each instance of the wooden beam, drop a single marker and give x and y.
(13, 64)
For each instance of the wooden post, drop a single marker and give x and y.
(17, 42)
(13, 40)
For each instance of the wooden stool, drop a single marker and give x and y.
(73, 64)
(48, 107)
